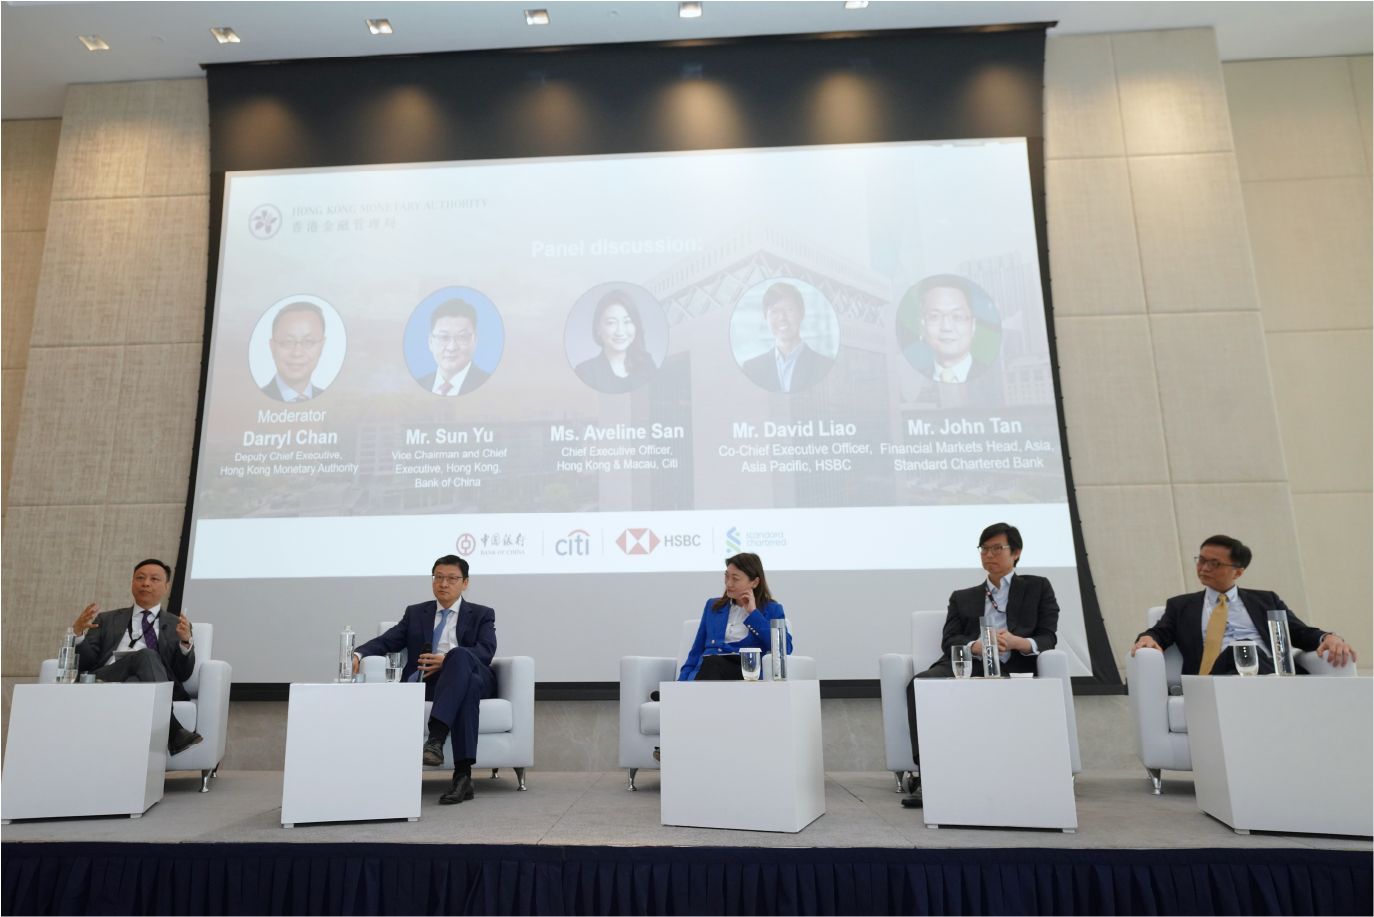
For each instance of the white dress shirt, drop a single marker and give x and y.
(290, 394)
(960, 369)
(448, 637)
(786, 365)
(136, 625)
(456, 381)
(1239, 626)
(998, 609)
(735, 629)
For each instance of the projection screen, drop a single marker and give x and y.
(597, 377)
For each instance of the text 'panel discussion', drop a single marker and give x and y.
(673, 458)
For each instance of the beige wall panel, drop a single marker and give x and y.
(28, 155)
(1132, 542)
(1261, 515)
(91, 273)
(11, 397)
(1082, 116)
(67, 427)
(19, 272)
(1094, 256)
(151, 454)
(1333, 530)
(1312, 241)
(1194, 248)
(1111, 406)
(1292, 118)
(1322, 389)
(179, 145)
(104, 148)
(1173, 99)
(1362, 79)
(131, 534)
(169, 304)
(50, 558)
(1217, 399)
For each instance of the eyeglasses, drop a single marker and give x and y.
(448, 580)
(1209, 565)
(462, 338)
(993, 549)
(957, 319)
(292, 343)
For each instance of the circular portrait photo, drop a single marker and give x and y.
(453, 341)
(297, 348)
(784, 334)
(949, 329)
(616, 337)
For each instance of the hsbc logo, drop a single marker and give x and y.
(638, 541)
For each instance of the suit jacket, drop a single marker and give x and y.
(1032, 612)
(472, 380)
(1181, 623)
(710, 639)
(476, 630)
(272, 391)
(112, 632)
(811, 368)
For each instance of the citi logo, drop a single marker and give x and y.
(638, 541)
(578, 543)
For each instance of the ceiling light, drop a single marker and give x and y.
(379, 26)
(689, 10)
(536, 17)
(855, 4)
(225, 35)
(93, 42)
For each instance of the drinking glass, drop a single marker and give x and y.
(962, 661)
(749, 662)
(393, 668)
(1247, 657)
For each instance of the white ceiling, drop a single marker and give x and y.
(40, 54)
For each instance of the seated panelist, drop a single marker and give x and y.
(739, 619)
(449, 643)
(1027, 615)
(142, 643)
(1204, 636)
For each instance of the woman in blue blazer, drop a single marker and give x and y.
(737, 620)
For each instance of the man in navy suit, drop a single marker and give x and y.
(1188, 620)
(449, 644)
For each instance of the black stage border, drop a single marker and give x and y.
(365, 878)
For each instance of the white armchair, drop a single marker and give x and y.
(207, 712)
(1161, 722)
(896, 670)
(640, 677)
(505, 725)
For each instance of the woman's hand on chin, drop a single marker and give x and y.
(746, 602)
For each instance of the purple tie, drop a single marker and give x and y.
(149, 634)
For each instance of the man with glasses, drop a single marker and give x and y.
(297, 342)
(452, 340)
(791, 365)
(1205, 624)
(1024, 607)
(449, 643)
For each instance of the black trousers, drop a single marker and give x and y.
(141, 665)
(720, 668)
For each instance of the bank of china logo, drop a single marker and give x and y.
(637, 541)
(264, 222)
(466, 544)
(732, 545)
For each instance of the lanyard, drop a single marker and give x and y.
(132, 638)
(991, 598)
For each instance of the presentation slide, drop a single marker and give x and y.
(595, 378)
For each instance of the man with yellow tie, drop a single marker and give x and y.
(1205, 624)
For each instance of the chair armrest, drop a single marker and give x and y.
(515, 683)
(1055, 664)
(640, 676)
(1148, 688)
(895, 672)
(212, 718)
(1319, 665)
(47, 672)
(373, 670)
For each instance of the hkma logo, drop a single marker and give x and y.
(637, 541)
(264, 222)
(732, 544)
(578, 543)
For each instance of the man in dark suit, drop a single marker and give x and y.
(1026, 611)
(452, 341)
(791, 366)
(296, 344)
(1203, 635)
(143, 643)
(449, 644)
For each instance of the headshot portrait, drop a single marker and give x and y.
(616, 337)
(784, 334)
(453, 341)
(297, 348)
(948, 328)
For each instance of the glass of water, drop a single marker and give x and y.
(749, 662)
(393, 668)
(1247, 657)
(961, 660)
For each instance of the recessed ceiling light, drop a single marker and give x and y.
(689, 10)
(225, 35)
(93, 42)
(536, 17)
(379, 26)
(855, 4)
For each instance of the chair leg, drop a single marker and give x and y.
(1157, 778)
(632, 788)
(493, 772)
(899, 775)
(205, 776)
(520, 775)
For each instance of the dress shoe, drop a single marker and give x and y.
(656, 757)
(434, 754)
(915, 801)
(182, 740)
(458, 791)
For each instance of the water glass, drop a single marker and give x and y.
(393, 668)
(1247, 657)
(962, 661)
(750, 661)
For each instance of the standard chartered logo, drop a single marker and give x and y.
(732, 544)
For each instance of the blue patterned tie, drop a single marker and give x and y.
(149, 634)
(439, 631)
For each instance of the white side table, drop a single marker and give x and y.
(740, 754)
(1255, 741)
(995, 752)
(353, 753)
(118, 768)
